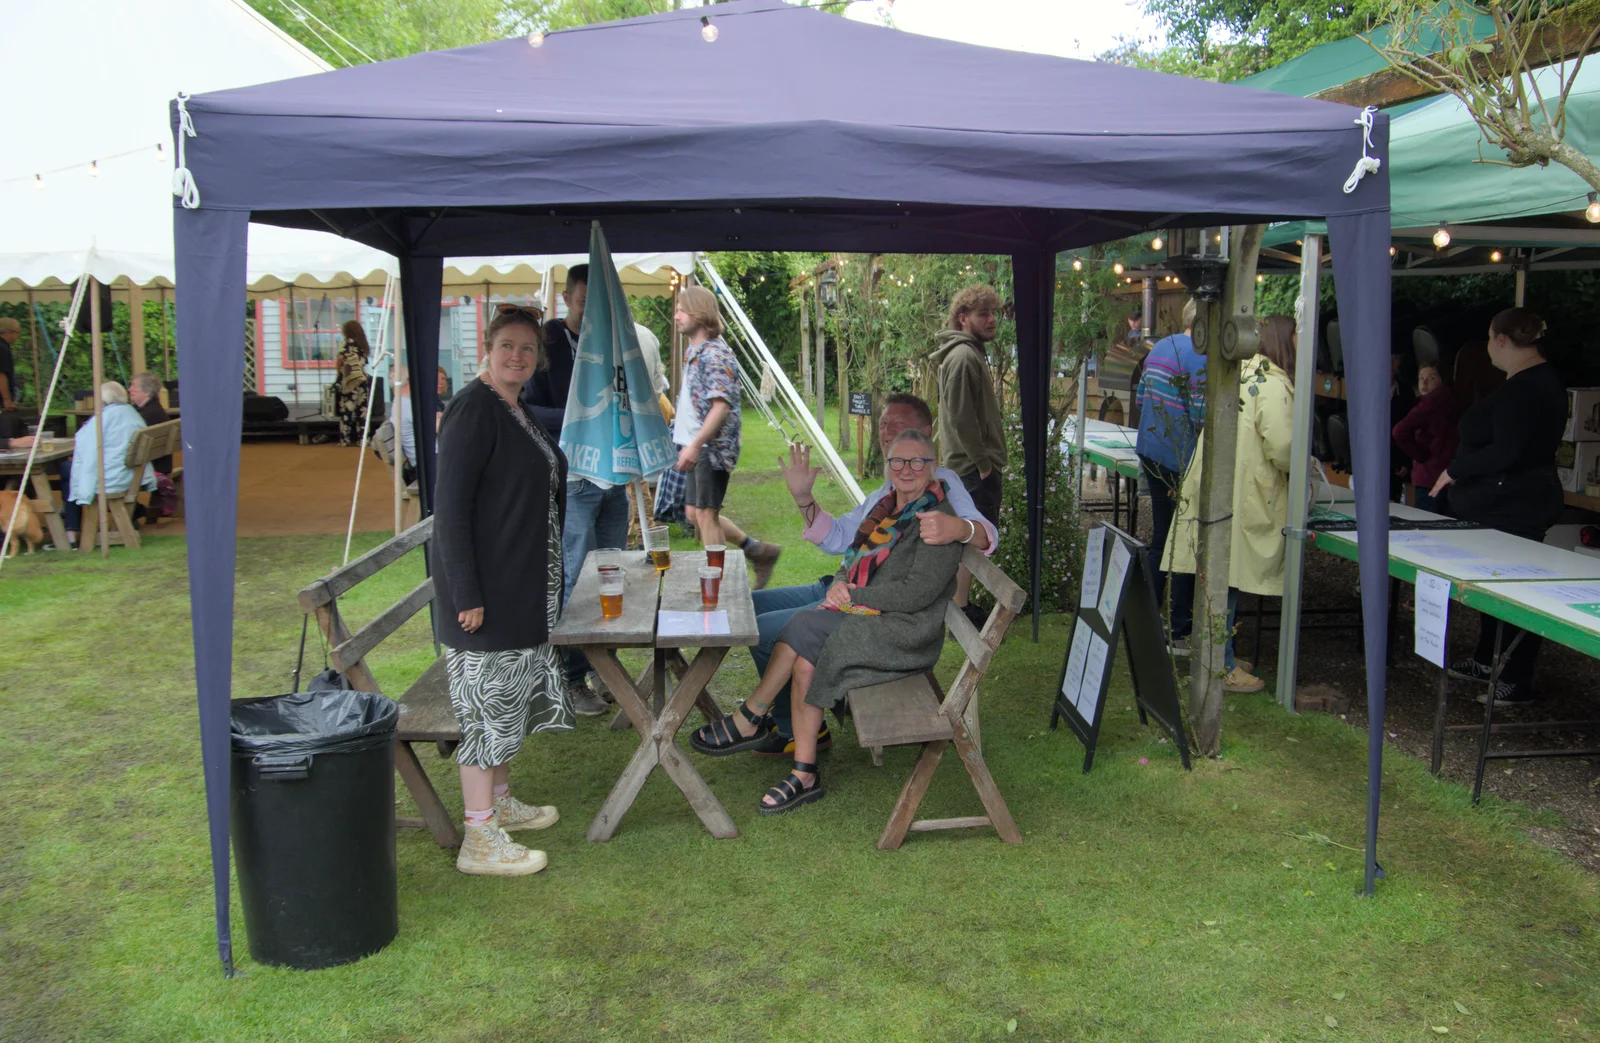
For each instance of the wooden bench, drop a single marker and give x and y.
(147, 444)
(916, 711)
(425, 713)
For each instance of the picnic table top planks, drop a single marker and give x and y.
(582, 623)
(680, 592)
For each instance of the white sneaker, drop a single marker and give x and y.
(512, 813)
(487, 850)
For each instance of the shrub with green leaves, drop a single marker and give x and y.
(1062, 562)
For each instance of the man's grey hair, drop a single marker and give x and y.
(149, 383)
(112, 393)
(923, 442)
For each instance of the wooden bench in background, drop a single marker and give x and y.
(147, 444)
(425, 713)
(916, 711)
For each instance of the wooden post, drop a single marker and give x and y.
(822, 353)
(677, 345)
(136, 326)
(39, 386)
(1216, 492)
(861, 448)
(805, 345)
(97, 363)
(166, 346)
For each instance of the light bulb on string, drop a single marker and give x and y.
(1261, 278)
(1117, 268)
(1156, 243)
(1495, 256)
(1592, 211)
(1392, 251)
(708, 32)
(161, 153)
(94, 168)
(536, 39)
(38, 182)
(1441, 238)
(1077, 264)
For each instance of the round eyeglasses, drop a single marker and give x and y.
(914, 464)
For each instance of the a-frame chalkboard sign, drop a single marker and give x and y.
(1118, 597)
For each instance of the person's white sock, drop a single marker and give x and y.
(503, 790)
(479, 818)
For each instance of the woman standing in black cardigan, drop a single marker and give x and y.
(497, 581)
(1504, 475)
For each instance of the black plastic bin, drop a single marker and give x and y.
(313, 826)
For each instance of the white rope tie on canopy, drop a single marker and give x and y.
(1368, 163)
(183, 183)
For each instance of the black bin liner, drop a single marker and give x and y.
(313, 826)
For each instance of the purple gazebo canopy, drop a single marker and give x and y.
(799, 131)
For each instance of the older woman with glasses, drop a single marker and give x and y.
(882, 619)
(497, 580)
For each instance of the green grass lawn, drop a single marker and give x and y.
(1146, 903)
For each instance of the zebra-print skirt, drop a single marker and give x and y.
(499, 697)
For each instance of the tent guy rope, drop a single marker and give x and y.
(183, 183)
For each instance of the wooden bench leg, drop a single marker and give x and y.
(44, 505)
(983, 782)
(129, 535)
(434, 814)
(916, 787)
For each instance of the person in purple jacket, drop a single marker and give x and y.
(1172, 410)
(1429, 435)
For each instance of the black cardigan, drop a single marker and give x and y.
(491, 525)
(1505, 467)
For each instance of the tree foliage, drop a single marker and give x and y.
(1229, 39)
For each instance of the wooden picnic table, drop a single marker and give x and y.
(657, 716)
(44, 501)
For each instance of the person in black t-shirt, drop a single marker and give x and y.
(1504, 475)
(10, 330)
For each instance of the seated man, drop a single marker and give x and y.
(882, 619)
(121, 421)
(144, 394)
(776, 606)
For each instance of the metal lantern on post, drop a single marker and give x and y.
(829, 284)
(1199, 257)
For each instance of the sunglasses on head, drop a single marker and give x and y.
(518, 309)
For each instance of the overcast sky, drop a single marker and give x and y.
(1071, 28)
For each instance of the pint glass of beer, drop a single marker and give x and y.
(714, 554)
(611, 592)
(710, 585)
(660, 548)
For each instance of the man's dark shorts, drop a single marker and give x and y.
(985, 493)
(705, 486)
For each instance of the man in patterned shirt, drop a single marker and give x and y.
(707, 426)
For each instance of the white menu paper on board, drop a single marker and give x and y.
(1093, 553)
(1093, 676)
(692, 624)
(1121, 558)
(1432, 616)
(1073, 681)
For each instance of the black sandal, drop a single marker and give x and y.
(721, 737)
(791, 792)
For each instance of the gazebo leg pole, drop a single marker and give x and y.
(1305, 375)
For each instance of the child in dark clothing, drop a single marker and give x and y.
(1429, 434)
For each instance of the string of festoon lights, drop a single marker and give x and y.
(710, 33)
(92, 167)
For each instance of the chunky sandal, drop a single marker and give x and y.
(775, 746)
(791, 792)
(721, 737)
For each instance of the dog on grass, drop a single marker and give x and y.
(26, 528)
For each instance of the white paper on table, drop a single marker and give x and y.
(693, 624)
(1435, 548)
(1093, 552)
(1569, 594)
(1509, 570)
(1071, 683)
(1410, 536)
(1121, 558)
(1432, 616)
(1093, 676)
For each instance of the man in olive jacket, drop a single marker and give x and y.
(971, 429)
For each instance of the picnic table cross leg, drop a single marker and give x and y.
(45, 498)
(691, 688)
(623, 794)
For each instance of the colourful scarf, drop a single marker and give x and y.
(881, 529)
